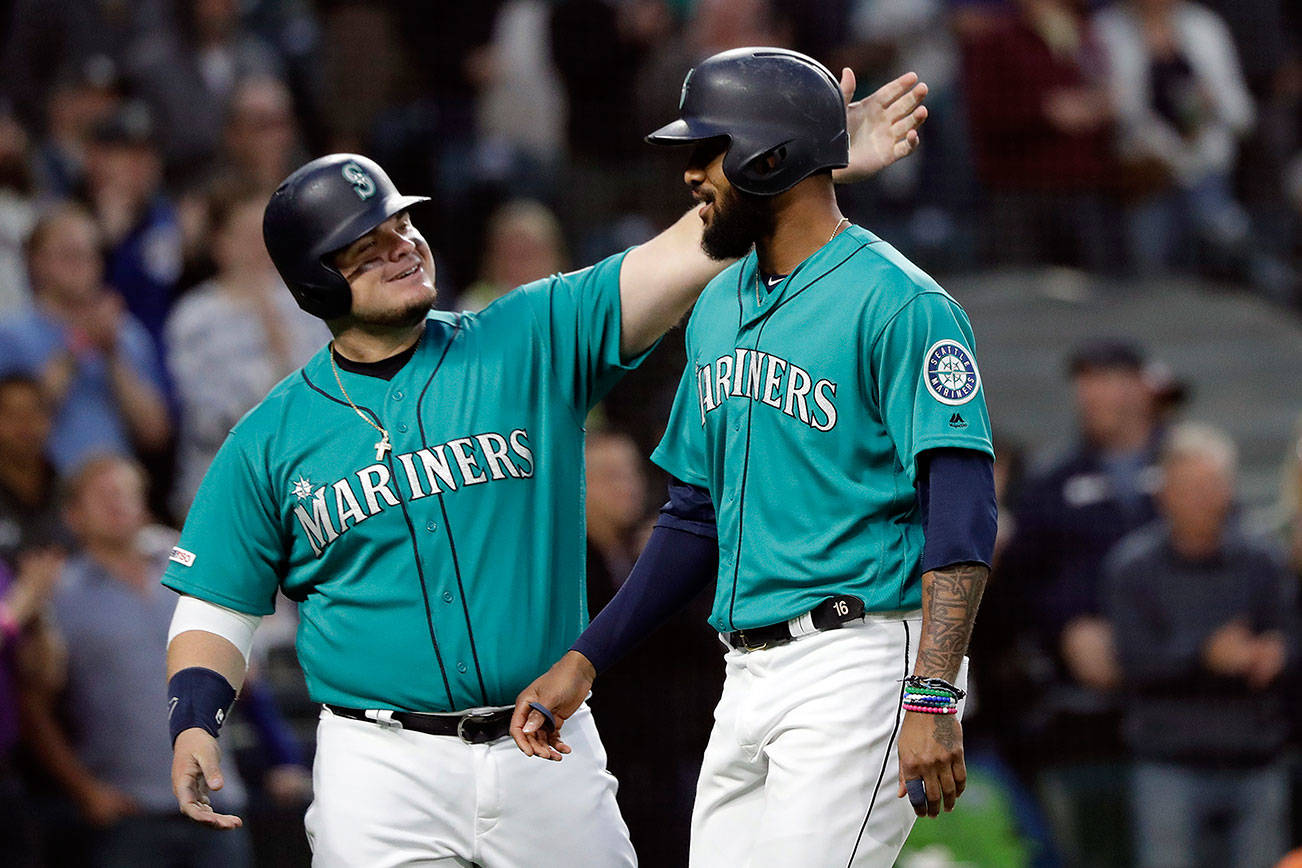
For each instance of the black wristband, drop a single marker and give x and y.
(198, 697)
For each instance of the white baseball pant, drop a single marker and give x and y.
(802, 765)
(387, 797)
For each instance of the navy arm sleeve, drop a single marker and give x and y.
(679, 561)
(956, 495)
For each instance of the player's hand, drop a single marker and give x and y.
(883, 126)
(931, 748)
(561, 690)
(196, 769)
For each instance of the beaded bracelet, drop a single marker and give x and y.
(930, 695)
(938, 686)
(930, 709)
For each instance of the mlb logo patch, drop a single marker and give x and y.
(182, 557)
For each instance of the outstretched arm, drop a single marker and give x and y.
(661, 279)
(212, 643)
(679, 561)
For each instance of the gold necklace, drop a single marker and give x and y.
(383, 445)
(835, 230)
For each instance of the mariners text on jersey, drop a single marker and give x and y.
(330, 510)
(771, 380)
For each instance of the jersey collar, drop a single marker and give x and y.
(817, 264)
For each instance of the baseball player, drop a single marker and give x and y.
(417, 488)
(832, 470)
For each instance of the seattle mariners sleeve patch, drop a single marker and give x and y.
(952, 376)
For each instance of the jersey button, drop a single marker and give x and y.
(431, 526)
(462, 668)
(402, 427)
(447, 596)
(398, 395)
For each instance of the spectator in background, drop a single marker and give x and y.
(187, 75)
(599, 48)
(114, 616)
(524, 244)
(1205, 622)
(99, 369)
(1041, 124)
(1182, 106)
(29, 515)
(260, 137)
(44, 40)
(923, 205)
(17, 212)
(657, 787)
(1068, 517)
(29, 657)
(260, 147)
(232, 338)
(84, 95)
(139, 226)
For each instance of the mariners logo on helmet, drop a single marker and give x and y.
(362, 183)
(952, 376)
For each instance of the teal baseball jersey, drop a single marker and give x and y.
(803, 410)
(447, 572)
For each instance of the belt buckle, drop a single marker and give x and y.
(473, 736)
(747, 645)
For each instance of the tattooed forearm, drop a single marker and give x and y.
(949, 604)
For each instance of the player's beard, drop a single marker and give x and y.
(740, 219)
(406, 316)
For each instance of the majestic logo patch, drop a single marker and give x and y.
(182, 557)
(952, 376)
(957, 421)
(362, 183)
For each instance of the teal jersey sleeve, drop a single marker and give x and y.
(682, 449)
(929, 388)
(579, 313)
(230, 551)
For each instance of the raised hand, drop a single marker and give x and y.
(883, 126)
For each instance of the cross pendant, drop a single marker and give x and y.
(382, 447)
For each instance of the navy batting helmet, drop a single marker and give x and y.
(321, 208)
(781, 112)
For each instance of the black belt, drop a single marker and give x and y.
(830, 614)
(472, 727)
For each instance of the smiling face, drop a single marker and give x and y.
(391, 272)
(733, 220)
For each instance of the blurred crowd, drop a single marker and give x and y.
(1134, 661)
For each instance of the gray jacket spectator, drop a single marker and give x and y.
(1204, 622)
